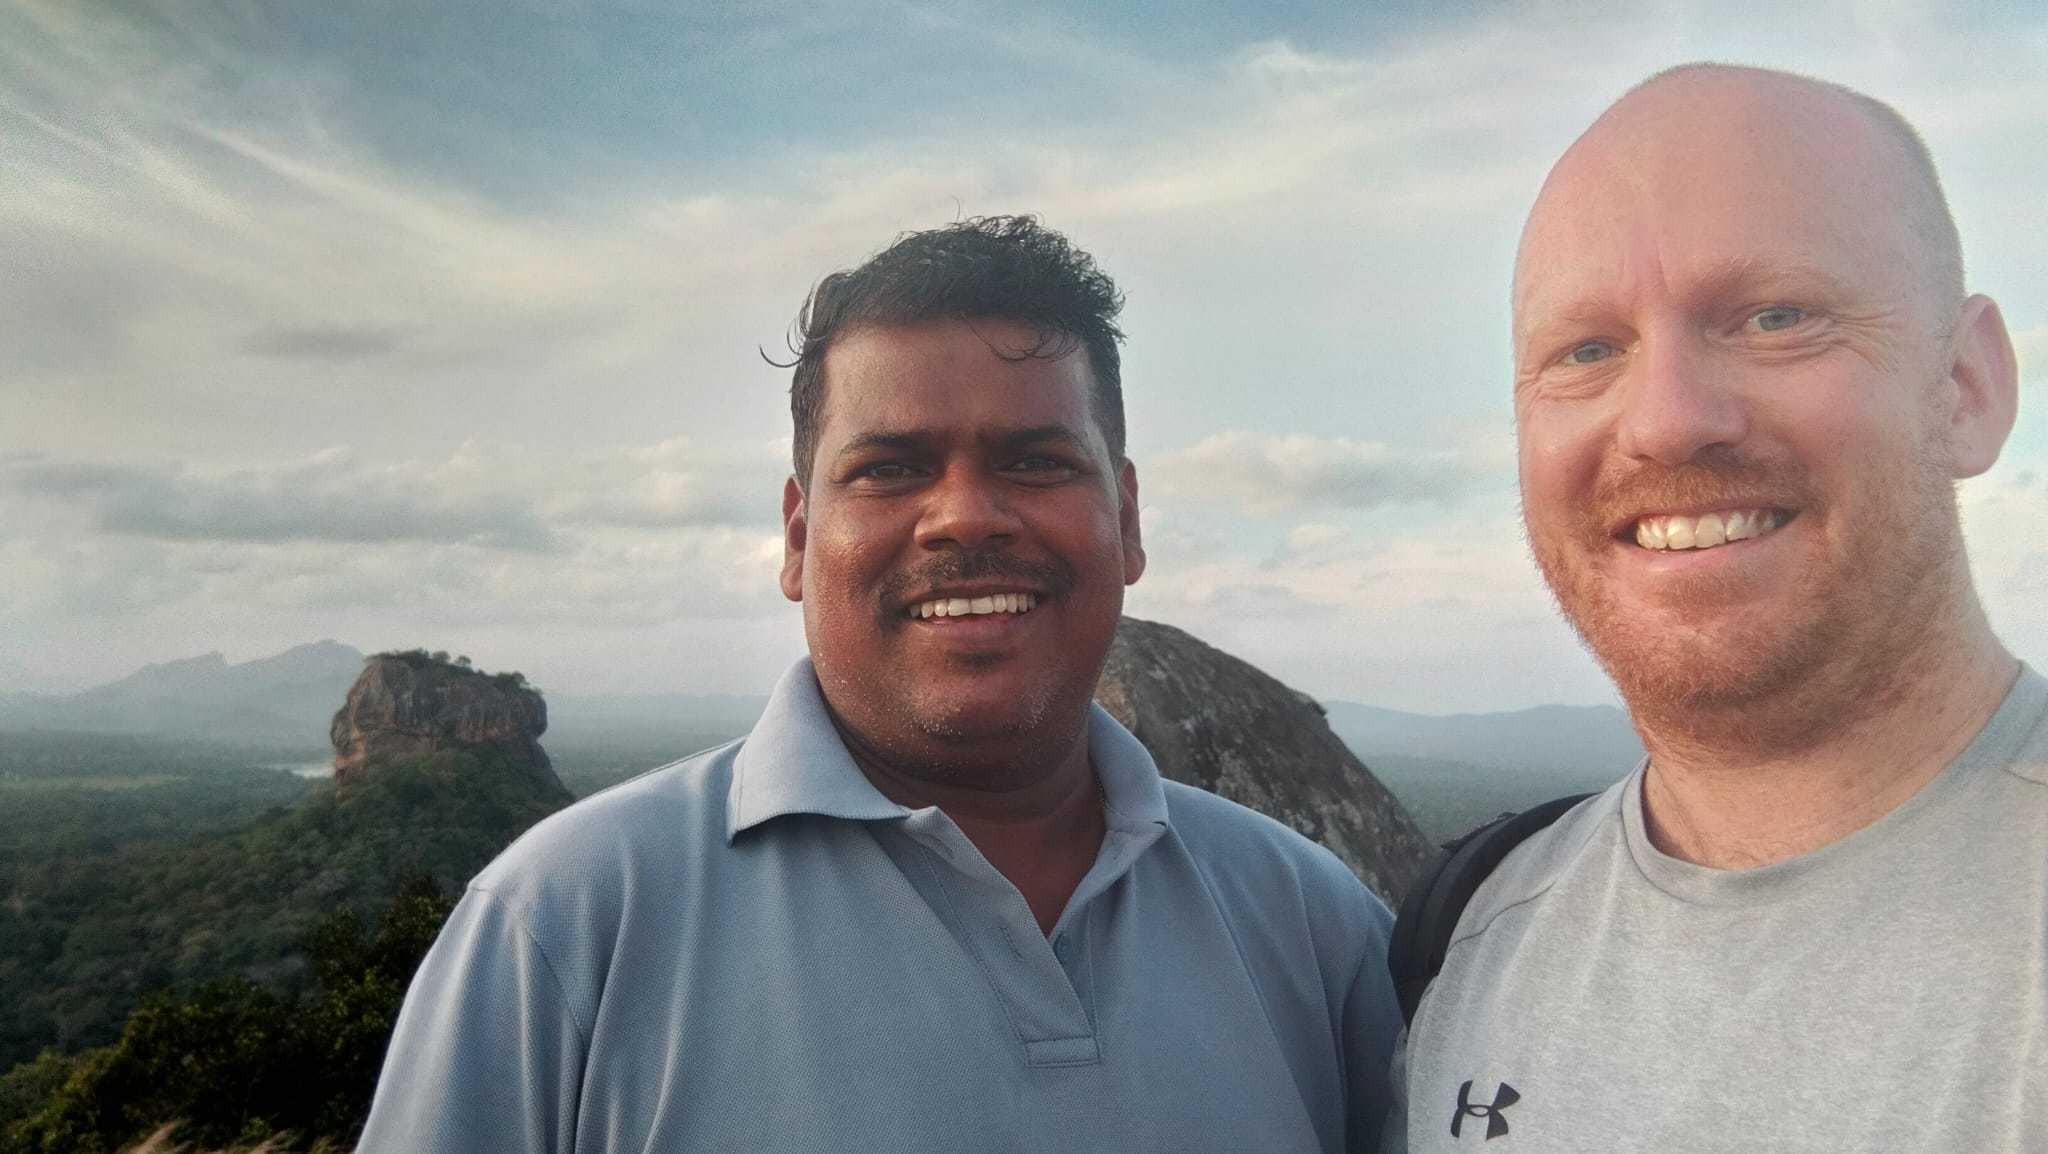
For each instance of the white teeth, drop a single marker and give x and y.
(1704, 531)
(974, 606)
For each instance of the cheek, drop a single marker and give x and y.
(842, 559)
(1557, 465)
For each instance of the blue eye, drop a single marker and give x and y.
(1590, 353)
(1774, 319)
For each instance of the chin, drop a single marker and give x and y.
(1011, 718)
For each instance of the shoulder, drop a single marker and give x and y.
(1220, 830)
(1249, 860)
(585, 861)
(1532, 869)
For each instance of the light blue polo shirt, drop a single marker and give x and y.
(753, 949)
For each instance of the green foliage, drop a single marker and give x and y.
(234, 1061)
(91, 920)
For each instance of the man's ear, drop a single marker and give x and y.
(794, 531)
(1127, 521)
(1984, 380)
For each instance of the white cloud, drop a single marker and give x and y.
(556, 421)
(326, 497)
(1437, 615)
(1266, 474)
(679, 481)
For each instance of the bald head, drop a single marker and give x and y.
(1852, 155)
(1746, 380)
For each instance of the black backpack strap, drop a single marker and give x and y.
(1429, 914)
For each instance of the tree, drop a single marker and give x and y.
(232, 1061)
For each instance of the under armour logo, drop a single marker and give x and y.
(1495, 1124)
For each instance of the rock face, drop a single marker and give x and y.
(1215, 722)
(405, 706)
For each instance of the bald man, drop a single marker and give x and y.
(1747, 377)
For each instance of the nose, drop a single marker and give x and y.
(967, 509)
(1679, 400)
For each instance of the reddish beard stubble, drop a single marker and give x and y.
(1700, 653)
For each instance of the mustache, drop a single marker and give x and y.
(1710, 480)
(1051, 578)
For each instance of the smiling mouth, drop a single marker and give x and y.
(987, 603)
(1666, 533)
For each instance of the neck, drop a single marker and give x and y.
(1040, 827)
(1769, 781)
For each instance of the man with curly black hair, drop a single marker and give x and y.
(937, 899)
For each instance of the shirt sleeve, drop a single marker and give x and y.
(1372, 1030)
(486, 1056)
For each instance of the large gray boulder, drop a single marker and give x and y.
(1219, 723)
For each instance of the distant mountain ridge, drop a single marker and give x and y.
(1454, 772)
(1449, 770)
(1565, 738)
(287, 699)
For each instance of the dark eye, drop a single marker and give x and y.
(888, 471)
(1589, 353)
(1779, 317)
(1039, 468)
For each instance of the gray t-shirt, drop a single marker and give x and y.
(1886, 992)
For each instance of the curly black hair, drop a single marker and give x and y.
(991, 267)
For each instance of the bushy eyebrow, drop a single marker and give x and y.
(900, 442)
(1040, 435)
(915, 440)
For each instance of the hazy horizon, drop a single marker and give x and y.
(446, 331)
(573, 693)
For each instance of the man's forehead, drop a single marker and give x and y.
(989, 380)
(1711, 182)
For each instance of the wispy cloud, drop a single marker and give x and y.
(523, 280)
(1265, 474)
(328, 497)
(1386, 616)
(325, 342)
(490, 496)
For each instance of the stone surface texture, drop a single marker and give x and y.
(1219, 723)
(401, 709)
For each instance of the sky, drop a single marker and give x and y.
(443, 324)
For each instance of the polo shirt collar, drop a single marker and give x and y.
(794, 762)
(1133, 798)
